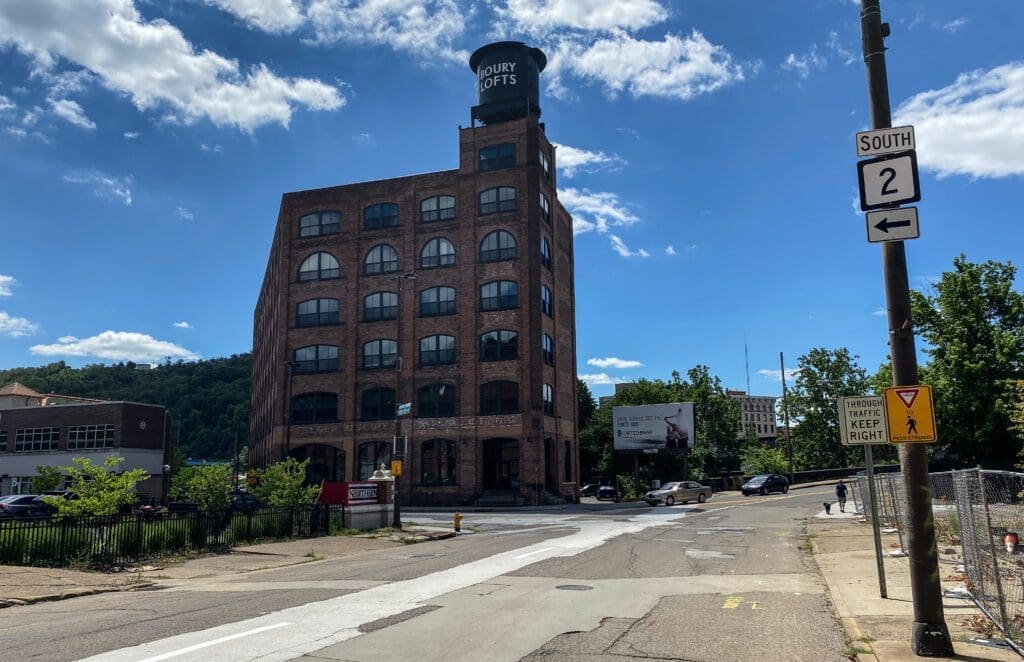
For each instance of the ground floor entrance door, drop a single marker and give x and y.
(501, 463)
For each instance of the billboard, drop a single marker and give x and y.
(653, 428)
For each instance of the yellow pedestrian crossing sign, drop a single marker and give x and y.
(911, 414)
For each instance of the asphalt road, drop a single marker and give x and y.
(723, 581)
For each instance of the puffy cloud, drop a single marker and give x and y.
(620, 247)
(72, 112)
(776, 375)
(879, 312)
(6, 104)
(104, 186)
(183, 325)
(268, 15)
(185, 214)
(604, 208)
(116, 346)
(802, 64)
(215, 149)
(670, 250)
(570, 160)
(971, 127)
(602, 378)
(955, 24)
(153, 64)
(613, 362)
(131, 135)
(540, 17)
(6, 283)
(16, 327)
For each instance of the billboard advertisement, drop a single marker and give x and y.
(653, 428)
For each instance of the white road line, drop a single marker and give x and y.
(536, 551)
(214, 642)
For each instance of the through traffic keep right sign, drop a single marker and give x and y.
(911, 414)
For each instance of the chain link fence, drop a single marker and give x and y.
(982, 511)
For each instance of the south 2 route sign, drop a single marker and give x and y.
(888, 180)
(911, 414)
(862, 420)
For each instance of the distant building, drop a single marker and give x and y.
(50, 429)
(757, 415)
(605, 400)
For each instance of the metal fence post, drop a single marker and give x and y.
(1005, 624)
(896, 511)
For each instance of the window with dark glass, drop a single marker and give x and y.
(498, 245)
(549, 400)
(545, 300)
(314, 408)
(319, 266)
(437, 400)
(437, 350)
(545, 252)
(36, 439)
(501, 345)
(380, 354)
(499, 295)
(319, 223)
(436, 301)
(438, 465)
(545, 208)
(380, 216)
(317, 312)
(499, 397)
(381, 259)
(496, 157)
(82, 437)
(438, 208)
(315, 358)
(567, 460)
(500, 198)
(371, 456)
(437, 252)
(547, 348)
(377, 404)
(545, 165)
(380, 306)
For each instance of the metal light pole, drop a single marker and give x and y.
(396, 522)
(930, 635)
(785, 418)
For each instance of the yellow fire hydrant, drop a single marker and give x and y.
(458, 522)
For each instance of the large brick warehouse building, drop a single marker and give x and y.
(452, 291)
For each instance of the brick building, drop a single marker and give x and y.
(757, 416)
(452, 291)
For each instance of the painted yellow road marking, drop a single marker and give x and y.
(756, 605)
(732, 602)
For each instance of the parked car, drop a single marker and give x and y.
(607, 493)
(243, 502)
(765, 484)
(182, 507)
(25, 506)
(680, 492)
(590, 489)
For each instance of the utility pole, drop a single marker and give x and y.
(785, 417)
(930, 636)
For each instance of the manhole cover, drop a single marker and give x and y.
(574, 587)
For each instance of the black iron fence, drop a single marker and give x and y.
(125, 539)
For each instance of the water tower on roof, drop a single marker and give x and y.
(508, 81)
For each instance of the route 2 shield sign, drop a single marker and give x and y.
(888, 180)
(911, 414)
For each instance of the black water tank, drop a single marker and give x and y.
(508, 81)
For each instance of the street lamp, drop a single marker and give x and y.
(410, 276)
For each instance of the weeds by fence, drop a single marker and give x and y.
(124, 539)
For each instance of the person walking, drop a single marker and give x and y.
(841, 495)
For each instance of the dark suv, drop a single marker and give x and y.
(25, 506)
(764, 484)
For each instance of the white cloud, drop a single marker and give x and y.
(670, 250)
(183, 325)
(845, 55)
(154, 64)
(16, 327)
(6, 104)
(776, 375)
(613, 362)
(540, 17)
(675, 68)
(17, 132)
(955, 24)
(879, 312)
(72, 112)
(620, 247)
(185, 214)
(802, 64)
(422, 27)
(131, 135)
(604, 208)
(364, 138)
(116, 346)
(603, 378)
(215, 149)
(973, 126)
(571, 159)
(272, 16)
(6, 282)
(104, 186)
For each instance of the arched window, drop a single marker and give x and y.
(545, 300)
(381, 259)
(545, 208)
(380, 216)
(501, 345)
(439, 462)
(371, 456)
(320, 223)
(496, 157)
(437, 252)
(315, 358)
(380, 354)
(438, 208)
(499, 198)
(437, 350)
(317, 312)
(498, 245)
(499, 295)
(547, 348)
(500, 397)
(549, 400)
(377, 404)
(380, 306)
(314, 408)
(437, 400)
(319, 266)
(545, 252)
(436, 301)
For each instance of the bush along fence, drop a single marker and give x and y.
(983, 512)
(123, 539)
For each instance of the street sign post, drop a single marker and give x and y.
(862, 420)
(888, 180)
(886, 141)
(893, 224)
(911, 414)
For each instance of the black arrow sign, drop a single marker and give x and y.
(885, 224)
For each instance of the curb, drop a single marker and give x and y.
(71, 593)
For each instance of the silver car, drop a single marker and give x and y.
(681, 492)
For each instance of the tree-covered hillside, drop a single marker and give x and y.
(208, 400)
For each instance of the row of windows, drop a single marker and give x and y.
(80, 437)
(433, 400)
(438, 349)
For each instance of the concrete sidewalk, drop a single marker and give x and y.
(844, 550)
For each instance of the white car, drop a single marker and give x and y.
(681, 492)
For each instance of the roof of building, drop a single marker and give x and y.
(17, 388)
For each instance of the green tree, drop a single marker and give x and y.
(973, 326)
(47, 478)
(209, 485)
(587, 404)
(98, 489)
(760, 459)
(282, 484)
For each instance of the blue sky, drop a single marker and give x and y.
(707, 155)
